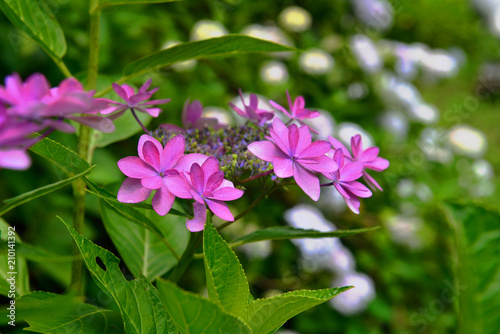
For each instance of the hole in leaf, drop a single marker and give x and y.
(100, 263)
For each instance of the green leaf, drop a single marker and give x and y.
(35, 19)
(143, 252)
(51, 313)
(36, 253)
(193, 314)
(285, 232)
(102, 3)
(226, 280)
(267, 315)
(20, 268)
(123, 209)
(477, 241)
(67, 160)
(138, 301)
(229, 45)
(13, 202)
(126, 126)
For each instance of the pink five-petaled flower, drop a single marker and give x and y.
(293, 154)
(297, 109)
(251, 111)
(206, 185)
(133, 100)
(344, 180)
(149, 172)
(369, 158)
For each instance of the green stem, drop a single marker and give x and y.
(194, 242)
(250, 207)
(85, 151)
(62, 66)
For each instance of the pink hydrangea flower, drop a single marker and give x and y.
(369, 157)
(133, 100)
(344, 180)
(192, 119)
(205, 184)
(252, 111)
(297, 109)
(150, 171)
(293, 153)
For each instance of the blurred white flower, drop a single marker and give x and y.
(433, 143)
(424, 113)
(205, 29)
(366, 53)
(222, 115)
(295, 19)
(423, 192)
(324, 124)
(316, 62)
(468, 141)
(356, 299)
(482, 169)
(269, 33)
(396, 123)
(357, 90)
(376, 14)
(440, 63)
(405, 188)
(405, 231)
(274, 72)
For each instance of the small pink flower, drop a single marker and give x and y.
(344, 180)
(297, 109)
(134, 100)
(192, 119)
(207, 186)
(251, 111)
(369, 157)
(150, 171)
(293, 154)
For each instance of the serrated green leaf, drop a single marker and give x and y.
(138, 301)
(35, 19)
(13, 202)
(267, 315)
(143, 252)
(20, 267)
(126, 126)
(477, 241)
(226, 280)
(123, 209)
(224, 46)
(51, 313)
(66, 159)
(193, 314)
(285, 232)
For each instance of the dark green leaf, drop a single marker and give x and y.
(138, 301)
(13, 202)
(229, 45)
(226, 280)
(19, 267)
(35, 253)
(67, 160)
(285, 232)
(143, 252)
(102, 3)
(51, 313)
(35, 19)
(193, 314)
(267, 315)
(477, 237)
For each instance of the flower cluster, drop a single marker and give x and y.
(218, 155)
(171, 173)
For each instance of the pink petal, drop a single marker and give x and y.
(283, 167)
(153, 182)
(220, 209)
(145, 86)
(316, 149)
(369, 154)
(338, 145)
(109, 110)
(357, 188)
(341, 190)
(356, 145)
(351, 171)
(36, 87)
(173, 151)
(196, 196)
(152, 155)
(136, 168)
(120, 91)
(191, 112)
(371, 181)
(178, 186)
(227, 194)
(305, 139)
(155, 102)
(307, 181)
(280, 108)
(238, 110)
(210, 166)
(148, 139)
(321, 164)
(353, 203)
(279, 133)
(293, 138)
(132, 191)
(185, 162)
(200, 217)
(214, 181)
(102, 124)
(129, 90)
(15, 159)
(154, 112)
(163, 201)
(378, 164)
(197, 178)
(266, 150)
